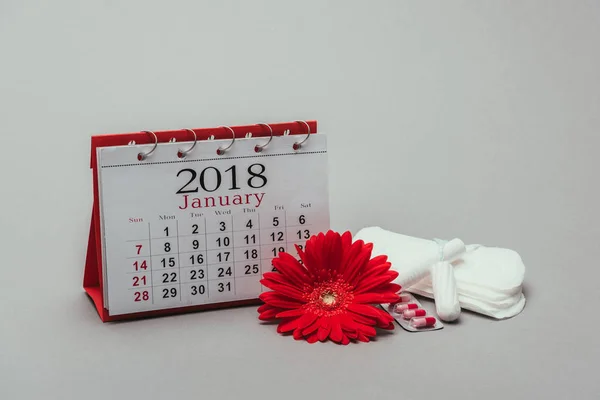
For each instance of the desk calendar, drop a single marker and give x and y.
(173, 233)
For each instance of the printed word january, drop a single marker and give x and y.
(252, 199)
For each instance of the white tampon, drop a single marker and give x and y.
(452, 250)
(445, 291)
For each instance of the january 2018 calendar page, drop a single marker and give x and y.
(203, 229)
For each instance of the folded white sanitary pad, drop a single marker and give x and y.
(488, 279)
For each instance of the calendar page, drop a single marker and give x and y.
(203, 229)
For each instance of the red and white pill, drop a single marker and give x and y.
(400, 308)
(408, 314)
(405, 298)
(422, 322)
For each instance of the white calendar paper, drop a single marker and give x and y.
(203, 229)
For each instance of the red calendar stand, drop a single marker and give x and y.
(92, 277)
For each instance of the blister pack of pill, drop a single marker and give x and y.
(410, 315)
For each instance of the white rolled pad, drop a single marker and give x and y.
(414, 273)
(445, 291)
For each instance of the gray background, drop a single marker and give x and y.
(469, 119)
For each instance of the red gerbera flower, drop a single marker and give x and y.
(330, 294)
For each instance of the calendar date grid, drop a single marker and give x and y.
(210, 262)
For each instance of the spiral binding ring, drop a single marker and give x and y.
(297, 145)
(222, 150)
(183, 153)
(143, 156)
(259, 147)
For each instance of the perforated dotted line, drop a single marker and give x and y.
(211, 159)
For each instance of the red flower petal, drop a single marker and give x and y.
(349, 258)
(384, 319)
(363, 338)
(306, 320)
(346, 240)
(387, 288)
(378, 269)
(325, 250)
(389, 326)
(333, 255)
(364, 309)
(377, 260)
(366, 251)
(378, 313)
(323, 333)
(285, 290)
(366, 330)
(336, 330)
(278, 278)
(296, 312)
(313, 327)
(347, 322)
(352, 334)
(278, 300)
(314, 245)
(291, 268)
(362, 319)
(268, 314)
(298, 334)
(301, 254)
(371, 313)
(370, 283)
(288, 324)
(345, 340)
(376, 298)
(356, 265)
(313, 338)
(264, 307)
(325, 328)
(371, 272)
(311, 258)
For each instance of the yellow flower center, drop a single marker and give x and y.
(328, 298)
